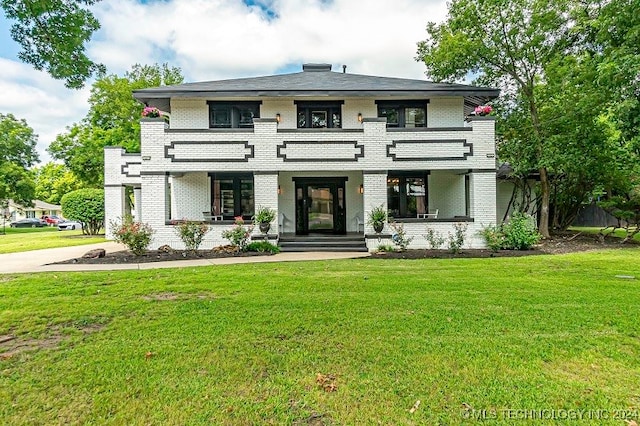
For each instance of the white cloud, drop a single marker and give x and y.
(215, 39)
(46, 105)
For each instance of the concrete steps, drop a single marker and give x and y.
(319, 242)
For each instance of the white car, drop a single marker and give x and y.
(69, 225)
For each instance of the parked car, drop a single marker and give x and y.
(28, 223)
(69, 225)
(52, 220)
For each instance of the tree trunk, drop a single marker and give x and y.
(543, 228)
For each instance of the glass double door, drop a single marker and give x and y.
(320, 206)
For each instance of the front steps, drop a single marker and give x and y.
(319, 242)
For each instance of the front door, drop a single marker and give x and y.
(320, 206)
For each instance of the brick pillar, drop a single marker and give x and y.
(114, 207)
(375, 193)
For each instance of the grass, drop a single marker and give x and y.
(25, 239)
(619, 233)
(243, 344)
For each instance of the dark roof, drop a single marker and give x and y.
(315, 80)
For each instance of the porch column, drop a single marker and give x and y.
(114, 207)
(265, 193)
(137, 202)
(375, 194)
(482, 199)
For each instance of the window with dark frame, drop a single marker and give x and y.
(232, 115)
(319, 114)
(232, 195)
(405, 114)
(407, 194)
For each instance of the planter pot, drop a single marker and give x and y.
(378, 227)
(264, 227)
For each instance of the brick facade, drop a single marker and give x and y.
(172, 171)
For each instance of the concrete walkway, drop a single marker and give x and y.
(35, 261)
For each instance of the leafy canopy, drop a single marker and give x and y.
(53, 181)
(17, 155)
(53, 35)
(113, 119)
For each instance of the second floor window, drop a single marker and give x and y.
(407, 114)
(319, 115)
(232, 115)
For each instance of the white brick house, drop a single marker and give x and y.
(321, 148)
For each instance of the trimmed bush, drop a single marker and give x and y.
(85, 206)
(135, 235)
(191, 233)
(262, 247)
(520, 232)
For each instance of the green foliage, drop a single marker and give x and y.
(135, 235)
(493, 237)
(399, 236)
(520, 232)
(52, 181)
(377, 217)
(434, 238)
(239, 234)
(386, 248)
(262, 247)
(53, 35)
(264, 215)
(17, 155)
(86, 206)
(113, 119)
(191, 233)
(456, 240)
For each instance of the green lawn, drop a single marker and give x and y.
(24, 239)
(620, 233)
(243, 344)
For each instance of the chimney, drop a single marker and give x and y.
(316, 67)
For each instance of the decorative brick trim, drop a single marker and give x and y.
(124, 169)
(428, 129)
(241, 145)
(396, 143)
(310, 158)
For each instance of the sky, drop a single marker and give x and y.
(219, 39)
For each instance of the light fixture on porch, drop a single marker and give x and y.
(278, 118)
(361, 189)
(279, 190)
(359, 117)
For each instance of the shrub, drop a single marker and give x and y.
(385, 248)
(262, 247)
(493, 236)
(456, 240)
(435, 239)
(520, 232)
(239, 235)
(264, 215)
(135, 235)
(86, 206)
(399, 236)
(191, 233)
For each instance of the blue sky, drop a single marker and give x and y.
(216, 39)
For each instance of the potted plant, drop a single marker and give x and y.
(377, 218)
(263, 218)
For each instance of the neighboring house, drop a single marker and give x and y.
(321, 148)
(15, 211)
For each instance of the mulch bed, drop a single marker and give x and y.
(566, 242)
(125, 256)
(559, 243)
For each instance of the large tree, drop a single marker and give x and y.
(53, 181)
(53, 35)
(113, 119)
(17, 155)
(508, 43)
